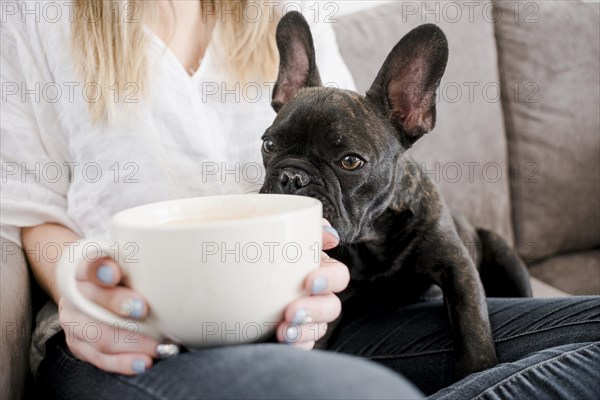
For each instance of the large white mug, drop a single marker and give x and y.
(214, 270)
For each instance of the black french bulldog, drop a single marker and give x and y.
(398, 237)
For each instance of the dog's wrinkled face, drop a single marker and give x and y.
(318, 146)
(338, 146)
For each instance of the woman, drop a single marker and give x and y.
(117, 104)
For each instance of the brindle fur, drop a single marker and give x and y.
(398, 237)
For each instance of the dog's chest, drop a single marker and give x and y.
(381, 274)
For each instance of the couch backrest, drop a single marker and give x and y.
(550, 70)
(467, 151)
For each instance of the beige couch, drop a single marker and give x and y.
(524, 163)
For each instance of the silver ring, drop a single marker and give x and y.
(166, 350)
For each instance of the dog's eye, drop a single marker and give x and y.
(351, 163)
(268, 146)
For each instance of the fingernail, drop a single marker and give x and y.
(133, 308)
(331, 230)
(292, 334)
(138, 366)
(302, 316)
(319, 284)
(106, 274)
(166, 350)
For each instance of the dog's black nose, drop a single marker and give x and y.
(292, 179)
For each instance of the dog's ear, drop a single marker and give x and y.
(297, 66)
(405, 87)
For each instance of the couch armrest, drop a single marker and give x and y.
(16, 320)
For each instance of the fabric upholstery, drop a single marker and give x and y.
(553, 123)
(466, 153)
(576, 273)
(15, 315)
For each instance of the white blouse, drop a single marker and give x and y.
(190, 136)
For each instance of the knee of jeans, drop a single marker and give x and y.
(565, 372)
(284, 371)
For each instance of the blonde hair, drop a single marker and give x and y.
(109, 43)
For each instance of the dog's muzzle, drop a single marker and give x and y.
(292, 179)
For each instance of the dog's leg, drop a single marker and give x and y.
(467, 309)
(502, 271)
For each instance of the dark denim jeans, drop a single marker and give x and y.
(548, 349)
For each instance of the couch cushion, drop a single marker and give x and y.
(577, 273)
(15, 316)
(553, 58)
(541, 289)
(466, 153)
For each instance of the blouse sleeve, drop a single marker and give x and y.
(35, 178)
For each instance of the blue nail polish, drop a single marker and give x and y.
(106, 274)
(138, 366)
(331, 230)
(302, 317)
(319, 284)
(137, 308)
(133, 308)
(292, 333)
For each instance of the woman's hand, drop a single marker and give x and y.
(106, 347)
(306, 319)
